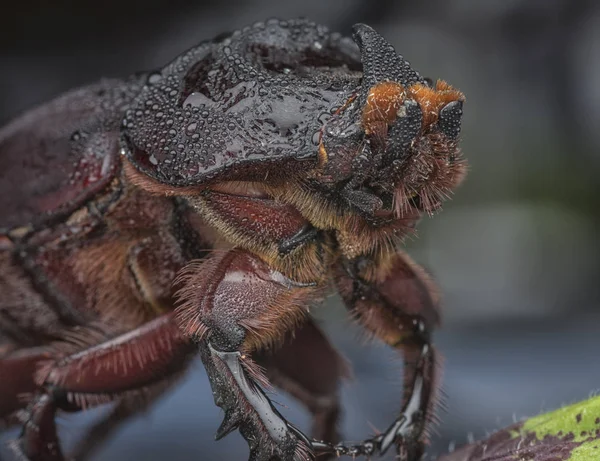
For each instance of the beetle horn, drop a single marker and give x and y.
(380, 60)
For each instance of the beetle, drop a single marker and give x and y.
(200, 209)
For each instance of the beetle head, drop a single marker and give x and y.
(395, 143)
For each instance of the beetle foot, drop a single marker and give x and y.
(247, 408)
(405, 433)
(38, 440)
(407, 449)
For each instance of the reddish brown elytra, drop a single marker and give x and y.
(200, 209)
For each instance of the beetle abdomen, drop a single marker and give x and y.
(61, 154)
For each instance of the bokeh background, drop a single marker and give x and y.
(516, 253)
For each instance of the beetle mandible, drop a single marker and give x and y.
(201, 208)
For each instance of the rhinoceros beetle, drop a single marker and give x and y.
(200, 209)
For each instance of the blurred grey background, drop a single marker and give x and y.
(516, 253)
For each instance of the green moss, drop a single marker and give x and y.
(575, 423)
(581, 419)
(588, 451)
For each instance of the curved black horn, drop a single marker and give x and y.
(380, 60)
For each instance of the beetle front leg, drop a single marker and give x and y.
(234, 304)
(395, 300)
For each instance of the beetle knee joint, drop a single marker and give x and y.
(228, 338)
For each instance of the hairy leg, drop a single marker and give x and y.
(395, 301)
(234, 304)
(100, 373)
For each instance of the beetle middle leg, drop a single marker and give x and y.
(99, 374)
(309, 369)
(394, 299)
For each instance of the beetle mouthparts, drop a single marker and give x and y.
(380, 60)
